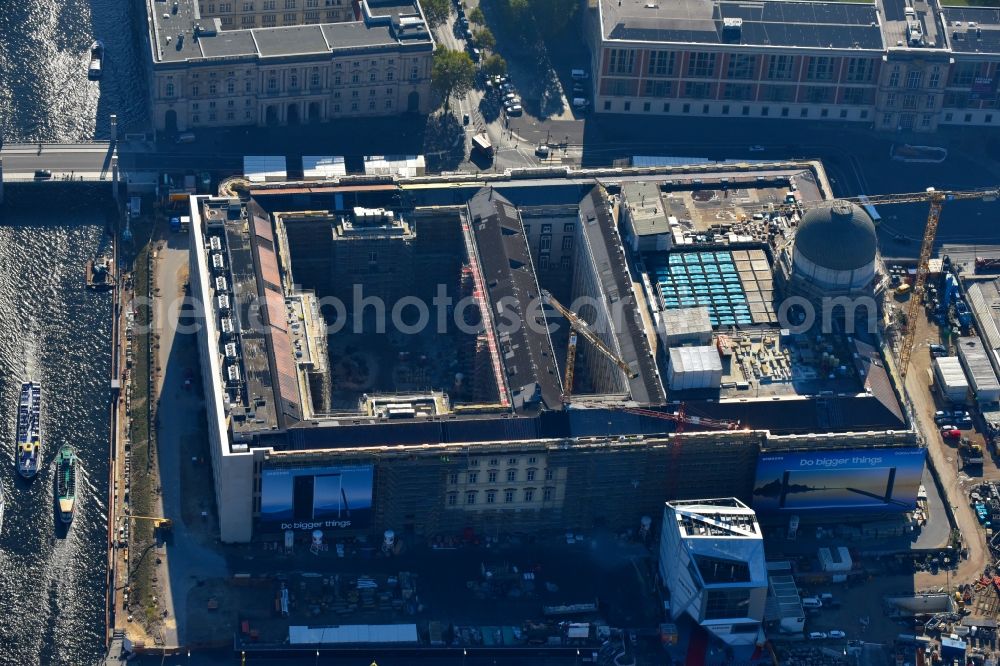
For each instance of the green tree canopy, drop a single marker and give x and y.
(484, 39)
(437, 11)
(494, 65)
(453, 73)
(477, 16)
(552, 16)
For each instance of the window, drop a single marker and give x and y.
(784, 112)
(843, 113)
(529, 494)
(493, 461)
(854, 95)
(661, 63)
(293, 80)
(314, 78)
(818, 94)
(371, 92)
(545, 243)
(823, 113)
(492, 476)
(607, 105)
(546, 229)
(890, 100)
(652, 88)
(738, 91)
(820, 68)
(859, 70)
(568, 228)
(988, 118)
(453, 478)
(929, 102)
(948, 117)
(371, 105)
(894, 77)
(336, 108)
(779, 67)
(725, 109)
(195, 119)
(388, 103)
(964, 73)
(231, 87)
(543, 261)
(269, 5)
(804, 113)
(452, 499)
(777, 93)
(914, 79)
(413, 73)
(389, 75)
(225, 7)
(741, 66)
(491, 496)
(968, 117)
(473, 477)
(169, 89)
(470, 497)
(621, 61)
(628, 106)
(935, 78)
(726, 603)
(704, 109)
(248, 21)
(508, 496)
(289, 19)
(511, 475)
(212, 89)
(887, 119)
(248, 115)
(567, 244)
(312, 4)
(194, 106)
(195, 90)
(548, 475)
(547, 495)
(355, 78)
(909, 101)
(289, 4)
(230, 115)
(564, 262)
(272, 84)
(701, 64)
(372, 76)
(746, 110)
(530, 475)
(925, 120)
(666, 107)
(696, 89)
(268, 20)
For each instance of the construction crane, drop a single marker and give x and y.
(936, 199)
(159, 523)
(580, 326)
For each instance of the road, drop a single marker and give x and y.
(86, 161)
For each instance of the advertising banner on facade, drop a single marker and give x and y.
(984, 88)
(875, 480)
(309, 498)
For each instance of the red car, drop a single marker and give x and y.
(951, 433)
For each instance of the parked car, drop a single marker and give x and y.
(579, 75)
(960, 414)
(940, 417)
(837, 633)
(817, 635)
(514, 110)
(938, 350)
(811, 602)
(951, 433)
(475, 54)
(42, 174)
(542, 150)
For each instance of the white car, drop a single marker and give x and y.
(514, 110)
(817, 635)
(837, 633)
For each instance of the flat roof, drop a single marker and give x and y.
(186, 35)
(984, 37)
(645, 208)
(818, 25)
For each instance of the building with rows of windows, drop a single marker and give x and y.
(271, 62)
(896, 64)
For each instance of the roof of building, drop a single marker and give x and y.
(645, 209)
(505, 261)
(691, 322)
(186, 35)
(695, 359)
(976, 361)
(973, 30)
(838, 25)
(839, 237)
(608, 256)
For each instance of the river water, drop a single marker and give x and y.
(51, 328)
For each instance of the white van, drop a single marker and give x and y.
(581, 103)
(811, 602)
(579, 75)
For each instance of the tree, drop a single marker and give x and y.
(437, 11)
(484, 39)
(453, 73)
(477, 16)
(494, 65)
(553, 16)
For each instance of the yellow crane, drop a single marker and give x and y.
(580, 326)
(936, 199)
(159, 523)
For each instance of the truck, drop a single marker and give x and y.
(481, 143)
(972, 454)
(987, 264)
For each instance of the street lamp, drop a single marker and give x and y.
(317, 657)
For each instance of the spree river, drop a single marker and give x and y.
(51, 328)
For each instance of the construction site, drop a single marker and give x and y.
(418, 362)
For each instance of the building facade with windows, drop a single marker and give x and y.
(894, 65)
(278, 62)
